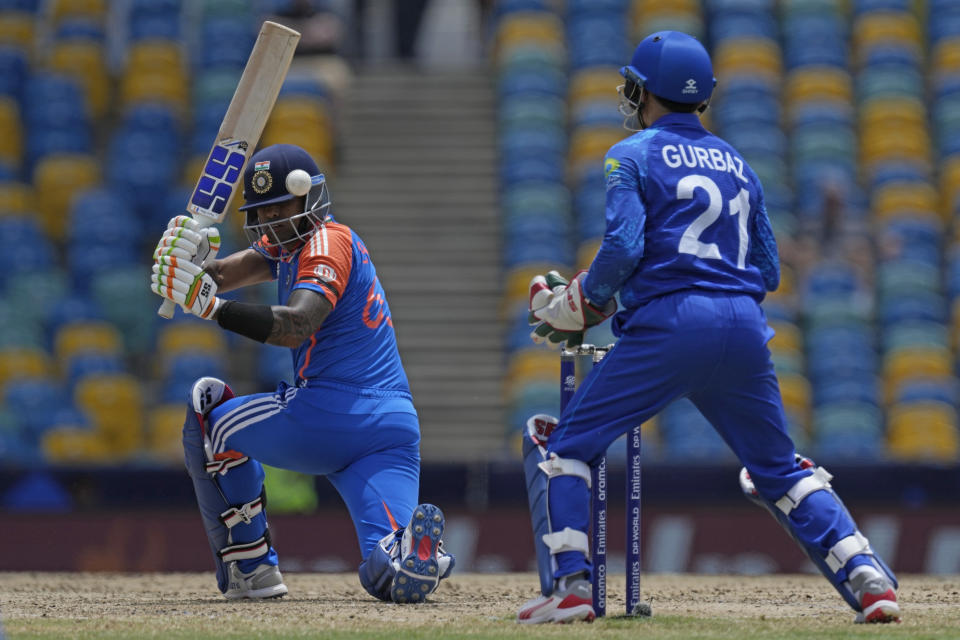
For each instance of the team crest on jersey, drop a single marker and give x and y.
(325, 273)
(262, 180)
(609, 166)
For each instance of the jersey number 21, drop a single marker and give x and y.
(739, 206)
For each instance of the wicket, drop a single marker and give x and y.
(598, 525)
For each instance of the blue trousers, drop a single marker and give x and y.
(711, 348)
(367, 443)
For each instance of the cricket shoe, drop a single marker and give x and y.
(572, 603)
(419, 571)
(262, 583)
(878, 600)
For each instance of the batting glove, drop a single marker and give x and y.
(187, 284)
(559, 312)
(186, 240)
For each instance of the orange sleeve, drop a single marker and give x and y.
(326, 261)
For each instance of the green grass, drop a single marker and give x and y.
(667, 627)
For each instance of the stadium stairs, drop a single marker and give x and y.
(416, 178)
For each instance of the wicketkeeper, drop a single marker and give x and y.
(689, 248)
(348, 415)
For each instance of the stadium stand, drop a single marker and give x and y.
(833, 116)
(849, 116)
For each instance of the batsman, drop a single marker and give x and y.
(689, 249)
(348, 415)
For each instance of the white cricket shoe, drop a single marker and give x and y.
(262, 583)
(877, 599)
(575, 602)
(419, 568)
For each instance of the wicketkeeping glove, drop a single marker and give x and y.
(559, 312)
(185, 240)
(187, 284)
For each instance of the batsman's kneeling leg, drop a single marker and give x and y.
(229, 490)
(812, 502)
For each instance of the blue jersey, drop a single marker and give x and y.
(356, 346)
(684, 212)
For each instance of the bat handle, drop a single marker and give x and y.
(166, 309)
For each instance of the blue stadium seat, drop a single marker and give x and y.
(225, 41)
(14, 71)
(36, 404)
(90, 363)
(79, 28)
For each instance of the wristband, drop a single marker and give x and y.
(255, 321)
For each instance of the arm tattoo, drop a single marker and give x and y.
(294, 323)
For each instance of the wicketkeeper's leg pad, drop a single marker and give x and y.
(816, 518)
(228, 486)
(544, 472)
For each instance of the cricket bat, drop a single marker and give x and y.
(242, 125)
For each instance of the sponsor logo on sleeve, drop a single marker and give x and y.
(325, 273)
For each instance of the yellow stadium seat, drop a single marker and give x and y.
(787, 337)
(586, 252)
(925, 431)
(893, 113)
(301, 110)
(649, 8)
(114, 404)
(907, 140)
(60, 9)
(73, 445)
(535, 363)
(23, 362)
(16, 198)
(593, 84)
(591, 144)
(904, 198)
(169, 87)
(164, 432)
(11, 136)
(56, 178)
(155, 55)
(816, 82)
(915, 362)
(885, 27)
(795, 391)
(86, 336)
(518, 280)
(529, 27)
(950, 185)
(192, 337)
(945, 57)
(17, 30)
(85, 61)
(747, 54)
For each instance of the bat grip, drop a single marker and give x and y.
(166, 309)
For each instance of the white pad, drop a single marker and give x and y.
(567, 540)
(845, 549)
(245, 550)
(556, 466)
(245, 513)
(207, 393)
(819, 479)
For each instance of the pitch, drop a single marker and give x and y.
(85, 605)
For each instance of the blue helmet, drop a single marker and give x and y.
(276, 174)
(672, 65)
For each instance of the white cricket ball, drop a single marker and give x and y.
(298, 182)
